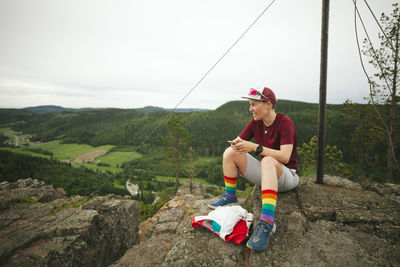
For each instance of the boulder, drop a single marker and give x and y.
(40, 227)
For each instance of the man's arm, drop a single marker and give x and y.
(282, 155)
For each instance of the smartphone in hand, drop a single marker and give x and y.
(232, 142)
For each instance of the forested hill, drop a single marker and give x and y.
(210, 129)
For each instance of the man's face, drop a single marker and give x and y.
(258, 109)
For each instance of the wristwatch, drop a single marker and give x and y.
(259, 149)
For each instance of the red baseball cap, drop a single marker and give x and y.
(266, 95)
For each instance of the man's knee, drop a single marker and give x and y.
(269, 161)
(230, 153)
(239, 159)
(227, 152)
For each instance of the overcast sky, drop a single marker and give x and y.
(130, 54)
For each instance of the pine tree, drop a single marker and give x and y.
(190, 168)
(175, 144)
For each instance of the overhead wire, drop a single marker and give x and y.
(375, 56)
(380, 26)
(168, 116)
(356, 12)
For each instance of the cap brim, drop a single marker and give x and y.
(253, 98)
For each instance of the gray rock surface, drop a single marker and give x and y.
(339, 223)
(334, 224)
(175, 241)
(40, 227)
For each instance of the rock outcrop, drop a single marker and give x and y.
(39, 226)
(338, 223)
(170, 240)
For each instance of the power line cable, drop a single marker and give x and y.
(370, 82)
(377, 22)
(375, 56)
(197, 84)
(206, 74)
(386, 37)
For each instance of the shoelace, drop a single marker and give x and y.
(224, 197)
(259, 232)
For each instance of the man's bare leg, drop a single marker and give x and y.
(271, 170)
(232, 161)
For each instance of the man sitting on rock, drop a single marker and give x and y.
(276, 139)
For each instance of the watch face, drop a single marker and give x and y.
(259, 149)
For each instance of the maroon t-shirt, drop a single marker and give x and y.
(281, 132)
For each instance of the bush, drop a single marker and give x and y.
(333, 162)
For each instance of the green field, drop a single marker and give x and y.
(116, 158)
(60, 151)
(113, 158)
(69, 151)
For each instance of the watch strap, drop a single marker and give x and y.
(259, 150)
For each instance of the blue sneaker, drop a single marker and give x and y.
(259, 239)
(223, 201)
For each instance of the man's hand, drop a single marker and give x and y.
(282, 155)
(243, 146)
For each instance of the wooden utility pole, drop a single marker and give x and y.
(322, 90)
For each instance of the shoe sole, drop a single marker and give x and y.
(251, 247)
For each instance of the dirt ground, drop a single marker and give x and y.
(89, 157)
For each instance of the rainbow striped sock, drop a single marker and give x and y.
(230, 186)
(268, 197)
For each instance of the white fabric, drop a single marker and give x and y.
(227, 217)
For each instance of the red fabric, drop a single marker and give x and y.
(231, 179)
(239, 232)
(269, 191)
(281, 132)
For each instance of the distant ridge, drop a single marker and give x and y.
(145, 110)
(52, 108)
(45, 109)
(150, 109)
